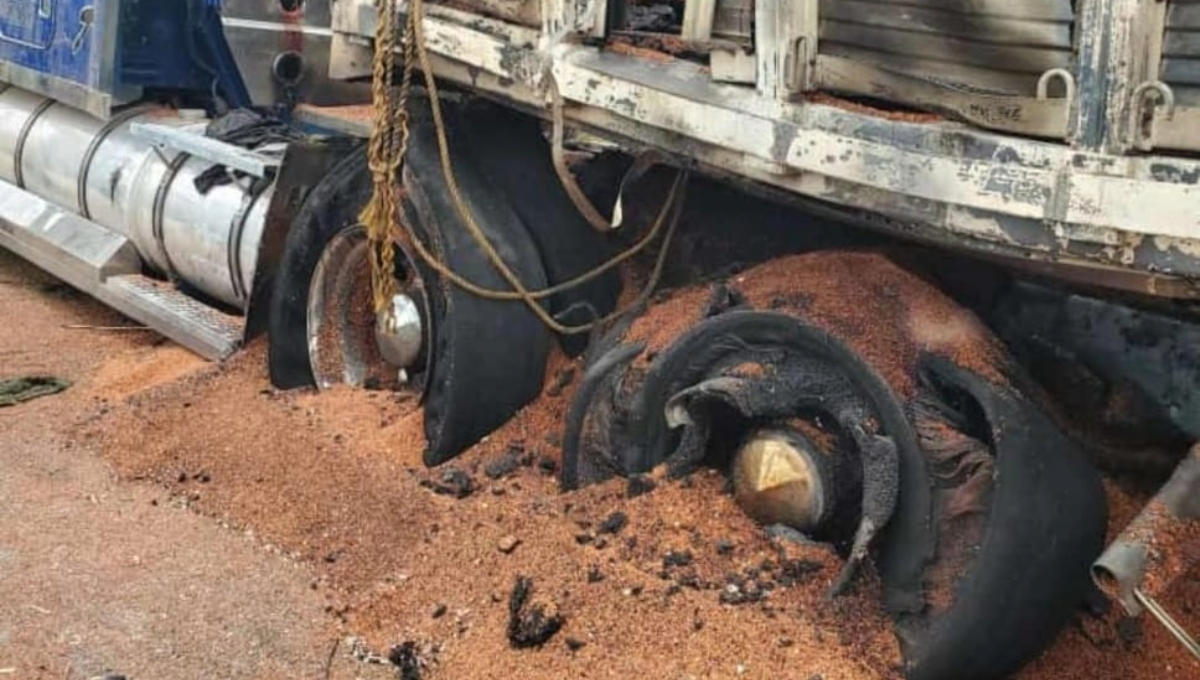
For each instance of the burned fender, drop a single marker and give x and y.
(981, 516)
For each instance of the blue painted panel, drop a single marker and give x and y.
(62, 38)
(74, 49)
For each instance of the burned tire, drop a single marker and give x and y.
(510, 152)
(981, 516)
(483, 359)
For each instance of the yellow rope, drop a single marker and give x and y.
(384, 155)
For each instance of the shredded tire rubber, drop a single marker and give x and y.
(980, 515)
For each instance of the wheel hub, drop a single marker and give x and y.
(400, 333)
(348, 342)
(776, 480)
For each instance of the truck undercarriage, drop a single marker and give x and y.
(989, 303)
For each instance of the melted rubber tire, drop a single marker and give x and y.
(489, 357)
(1045, 528)
(1044, 513)
(645, 440)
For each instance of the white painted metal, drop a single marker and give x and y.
(931, 173)
(698, 17)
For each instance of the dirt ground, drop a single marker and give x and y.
(168, 518)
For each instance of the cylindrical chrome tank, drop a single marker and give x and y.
(100, 170)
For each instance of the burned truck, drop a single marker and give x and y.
(947, 278)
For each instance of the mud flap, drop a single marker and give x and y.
(489, 356)
(508, 149)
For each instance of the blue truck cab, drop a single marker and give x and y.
(97, 56)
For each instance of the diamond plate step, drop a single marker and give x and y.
(105, 265)
(205, 330)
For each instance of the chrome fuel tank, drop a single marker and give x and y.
(101, 171)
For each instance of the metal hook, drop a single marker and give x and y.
(1068, 98)
(1142, 136)
(1166, 95)
(1068, 80)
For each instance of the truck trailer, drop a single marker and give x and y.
(432, 196)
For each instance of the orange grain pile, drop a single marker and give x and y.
(335, 479)
(883, 312)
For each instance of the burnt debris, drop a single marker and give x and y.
(452, 482)
(407, 660)
(613, 523)
(531, 623)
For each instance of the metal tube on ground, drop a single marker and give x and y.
(1160, 545)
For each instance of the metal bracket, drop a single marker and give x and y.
(796, 65)
(199, 146)
(1068, 81)
(785, 37)
(1144, 105)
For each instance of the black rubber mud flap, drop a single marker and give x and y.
(489, 356)
(513, 155)
(987, 533)
(330, 207)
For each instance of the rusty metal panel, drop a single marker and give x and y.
(1001, 46)
(1181, 51)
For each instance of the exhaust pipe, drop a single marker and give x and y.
(1159, 546)
(100, 170)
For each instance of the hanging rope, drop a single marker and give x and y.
(384, 155)
(388, 145)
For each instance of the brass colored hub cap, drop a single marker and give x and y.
(777, 481)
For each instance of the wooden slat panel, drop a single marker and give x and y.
(1187, 96)
(1012, 31)
(1182, 43)
(1181, 72)
(998, 45)
(524, 12)
(1032, 60)
(1181, 51)
(964, 76)
(1183, 15)
(1034, 10)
